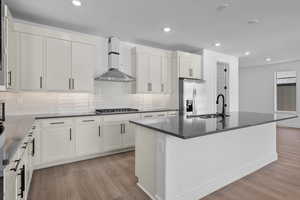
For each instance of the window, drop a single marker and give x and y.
(285, 90)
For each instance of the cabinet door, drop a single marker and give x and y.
(10, 182)
(185, 66)
(197, 66)
(155, 73)
(143, 83)
(31, 62)
(112, 136)
(88, 137)
(58, 64)
(57, 144)
(11, 52)
(165, 75)
(128, 135)
(83, 65)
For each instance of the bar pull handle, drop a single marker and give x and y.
(88, 120)
(41, 82)
(148, 116)
(124, 128)
(121, 130)
(33, 147)
(9, 78)
(70, 134)
(70, 84)
(162, 87)
(73, 85)
(55, 123)
(99, 129)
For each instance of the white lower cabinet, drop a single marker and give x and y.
(118, 132)
(89, 137)
(57, 142)
(112, 133)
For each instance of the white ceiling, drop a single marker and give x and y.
(195, 24)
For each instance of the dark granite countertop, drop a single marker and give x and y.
(66, 115)
(185, 128)
(17, 127)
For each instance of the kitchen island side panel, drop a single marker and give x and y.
(197, 167)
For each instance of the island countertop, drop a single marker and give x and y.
(184, 127)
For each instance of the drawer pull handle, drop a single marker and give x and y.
(88, 120)
(147, 116)
(55, 123)
(161, 115)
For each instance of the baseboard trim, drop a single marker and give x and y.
(81, 158)
(144, 190)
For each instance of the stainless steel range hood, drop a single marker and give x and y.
(114, 74)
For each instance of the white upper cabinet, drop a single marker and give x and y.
(151, 70)
(83, 64)
(58, 64)
(31, 62)
(51, 60)
(10, 51)
(190, 65)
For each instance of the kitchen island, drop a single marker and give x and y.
(183, 158)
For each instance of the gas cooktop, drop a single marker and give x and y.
(115, 110)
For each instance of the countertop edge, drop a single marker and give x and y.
(210, 132)
(103, 114)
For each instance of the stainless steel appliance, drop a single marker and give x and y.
(116, 110)
(192, 97)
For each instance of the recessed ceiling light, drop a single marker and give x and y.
(222, 6)
(247, 53)
(76, 3)
(253, 21)
(167, 29)
(268, 59)
(217, 44)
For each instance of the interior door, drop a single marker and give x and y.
(32, 62)
(57, 144)
(58, 64)
(112, 135)
(155, 73)
(83, 65)
(88, 137)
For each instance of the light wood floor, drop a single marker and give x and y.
(112, 178)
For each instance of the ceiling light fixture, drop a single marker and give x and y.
(253, 21)
(76, 3)
(268, 59)
(167, 29)
(217, 44)
(247, 53)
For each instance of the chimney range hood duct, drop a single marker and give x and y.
(114, 74)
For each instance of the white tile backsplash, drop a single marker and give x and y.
(50, 102)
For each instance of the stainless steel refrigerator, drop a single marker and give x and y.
(192, 97)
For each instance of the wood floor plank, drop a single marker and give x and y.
(112, 178)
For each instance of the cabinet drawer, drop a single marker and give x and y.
(122, 117)
(88, 120)
(57, 122)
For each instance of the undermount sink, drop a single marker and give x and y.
(208, 116)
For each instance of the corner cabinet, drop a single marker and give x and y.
(189, 65)
(152, 70)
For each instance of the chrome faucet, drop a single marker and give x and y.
(224, 105)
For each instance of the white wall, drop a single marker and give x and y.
(257, 89)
